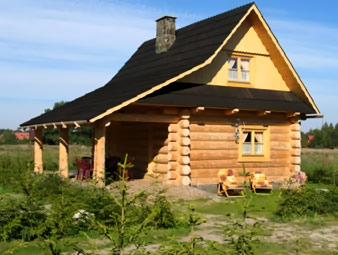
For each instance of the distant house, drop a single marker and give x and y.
(215, 94)
(310, 138)
(22, 136)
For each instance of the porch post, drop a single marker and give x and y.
(63, 151)
(99, 154)
(38, 148)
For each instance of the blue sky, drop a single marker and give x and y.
(58, 50)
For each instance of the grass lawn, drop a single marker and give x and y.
(315, 235)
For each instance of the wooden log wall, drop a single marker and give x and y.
(213, 147)
(146, 142)
(295, 147)
(179, 151)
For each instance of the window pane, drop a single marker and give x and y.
(245, 65)
(258, 148)
(245, 76)
(233, 75)
(232, 63)
(246, 148)
(258, 137)
(247, 137)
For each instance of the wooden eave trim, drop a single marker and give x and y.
(180, 76)
(76, 123)
(286, 59)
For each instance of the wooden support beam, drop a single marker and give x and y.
(134, 117)
(231, 111)
(63, 151)
(38, 148)
(63, 125)
(54, 126)
(44, 126)
(199, 109)
(99, 154)
(292, 114)
(76, 124)
(263, 113)
(170, 111)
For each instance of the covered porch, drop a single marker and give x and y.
(156, 138)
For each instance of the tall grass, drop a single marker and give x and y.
(9, 154)
(320, 165)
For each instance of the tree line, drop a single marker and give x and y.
(325, 137)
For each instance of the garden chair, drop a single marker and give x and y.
(84, 168)
(260, 182)
(228, 184)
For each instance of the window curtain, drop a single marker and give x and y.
(246, 146)
(259, 143)
(245, 65)
(233, 63)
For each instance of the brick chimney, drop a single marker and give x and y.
(165, 33)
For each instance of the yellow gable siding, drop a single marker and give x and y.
(245, 42)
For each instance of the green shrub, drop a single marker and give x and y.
(163, 215)
(307, 202)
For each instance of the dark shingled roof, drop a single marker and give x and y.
(193, 95)
(145, 69)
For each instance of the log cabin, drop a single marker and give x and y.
(218, 93)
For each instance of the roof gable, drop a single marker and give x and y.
(145, 72)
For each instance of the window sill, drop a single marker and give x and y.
(253, 158)
(240, 83)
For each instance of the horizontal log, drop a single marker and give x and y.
(183, 160)
(184, 180)
(295, 160)
(284, 146)
(184, 150)
(173, 137)
(213, 154)
(295, 135)
(173, 146)
(295, 127)
(280, 129)
(161, 150)
(296, 144)
(203, 181)
(172, 166)
(213, 145)
(172, 175)
(269, 171)
(173, 128)
(295, 168)
(212, 128)
(184, 132)
(229, 120)
(295, 151)
(158, 168)
(233, 163)
(207, 136)
(279, 154)
(161, 159)
(280, 137)
(173, 156)
(184, 123)
(184, 141)
(183, 169)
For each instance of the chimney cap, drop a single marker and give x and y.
(166, 17)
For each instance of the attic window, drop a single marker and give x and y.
(239, 74)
